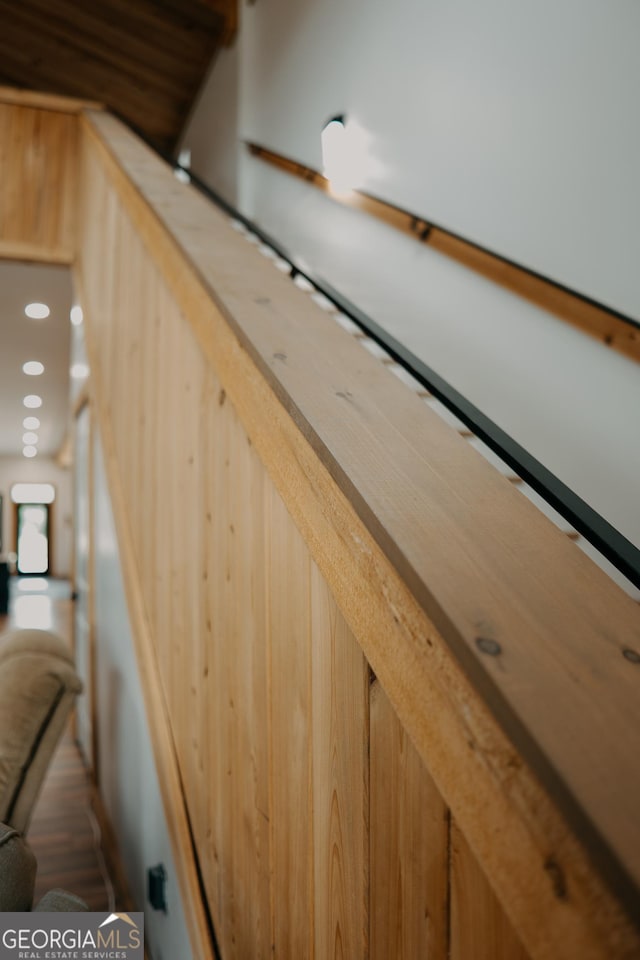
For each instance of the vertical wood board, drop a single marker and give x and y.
(291, 824)
(409, 845)
(340, 781)
(38, 168)
(480, 929)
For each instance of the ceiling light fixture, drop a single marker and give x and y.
(29, 452)
(79, 371)
(30, 423)
(33, 401)
(76, 316)
(30, 438)
(37, 311)
(33, 493)
(33, 368)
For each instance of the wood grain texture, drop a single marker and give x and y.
(247, 540)
(167, 763)
(197, 569)
(268, 711)
(479, 928)
(423, 547)
(589, 317)
(144, 60)
(38, 152)
(409, 846)
(232, 588)
(340, 758)
(291, 805)
(45, 101)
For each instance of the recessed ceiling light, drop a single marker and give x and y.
(32, 401)
(33, 493)
(76, 316)
(31, 423)
(29, 437)
(33, 368)
(79, 371)
(37, 311)
(29, 451)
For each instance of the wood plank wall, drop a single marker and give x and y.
(351, 787)
(38, 151)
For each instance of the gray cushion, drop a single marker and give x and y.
(38, 686)
(17, 871)
(59, 901)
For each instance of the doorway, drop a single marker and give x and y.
(33, 538)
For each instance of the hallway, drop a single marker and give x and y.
(64, 832)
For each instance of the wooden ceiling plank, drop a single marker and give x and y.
(228, 10)
(115, 44)
(145, 20)
(145, 61)
(54, 52)
(196, 12)
(156, 117)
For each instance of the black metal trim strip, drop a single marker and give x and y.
(613, 545)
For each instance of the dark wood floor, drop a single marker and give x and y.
(63, 834)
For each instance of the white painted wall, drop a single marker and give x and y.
(513, 124)
(213, 135)
(40, 470)
(127, 774)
